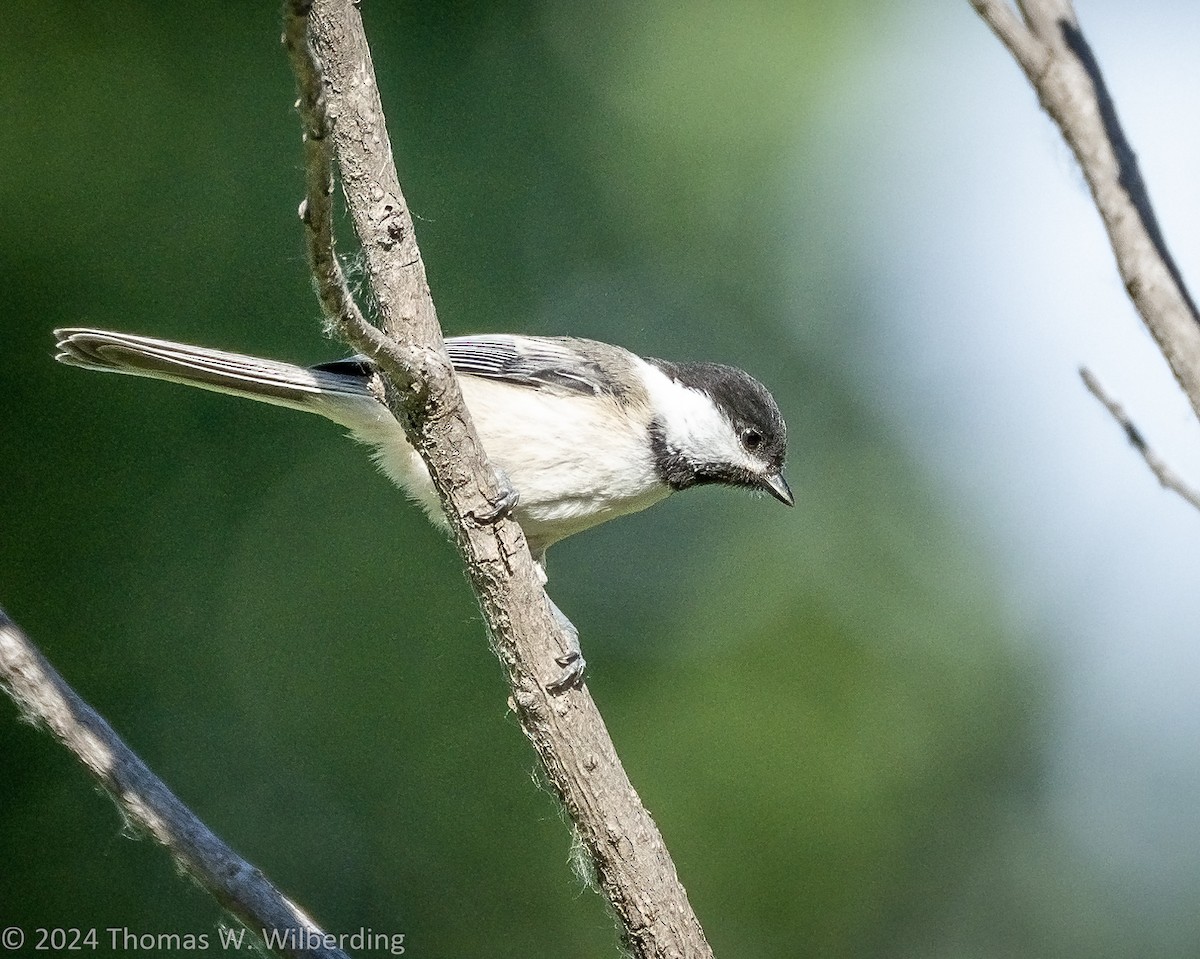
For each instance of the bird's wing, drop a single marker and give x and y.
(555, 364)
(561, 365)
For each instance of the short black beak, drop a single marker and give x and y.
(777, 486)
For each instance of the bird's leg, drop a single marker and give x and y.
(572, 660)
(506, 502)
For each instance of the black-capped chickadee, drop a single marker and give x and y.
(583, 431)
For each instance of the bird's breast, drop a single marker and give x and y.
(576, 461)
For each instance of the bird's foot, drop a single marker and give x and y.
(571, 661)
(572, 678)
(505, 503)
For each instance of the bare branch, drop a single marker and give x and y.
(1071, 88)
(1014, 34)
(336, 79)
(1166, 476)
(46, 699)
(316, 212)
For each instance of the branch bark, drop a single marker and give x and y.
(46, 699)
(339, 101)
(1050, 47)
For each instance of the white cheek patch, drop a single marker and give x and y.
(692, 424)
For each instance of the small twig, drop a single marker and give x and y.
(1052, 50)
(1165, 475)
(1021, 43)
(46, 699)
(342, 313)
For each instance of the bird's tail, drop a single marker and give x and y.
(343, 397)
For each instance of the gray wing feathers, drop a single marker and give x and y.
(558, 364)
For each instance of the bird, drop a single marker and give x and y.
(581, 431)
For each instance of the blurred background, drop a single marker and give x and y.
(946, 706)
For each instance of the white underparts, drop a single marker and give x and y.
(576, 461)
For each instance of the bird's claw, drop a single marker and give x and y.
(572, 661)
(573, 665)
(505, 503)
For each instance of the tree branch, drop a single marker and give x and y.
(46, 699)
(339, 100)
(1052, 50)
(1013, 34)
(1166, 476)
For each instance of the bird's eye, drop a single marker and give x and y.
(751, 439)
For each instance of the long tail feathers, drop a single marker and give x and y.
(342, 397)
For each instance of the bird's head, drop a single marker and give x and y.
(716, 424)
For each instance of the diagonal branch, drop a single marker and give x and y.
(339, 101)
(1056, 57)
(46, 699)
(1166, 476)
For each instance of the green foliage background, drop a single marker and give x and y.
(821, 707)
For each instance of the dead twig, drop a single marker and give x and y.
(1165, 475)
